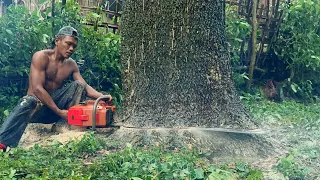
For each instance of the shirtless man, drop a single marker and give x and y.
(48, 96)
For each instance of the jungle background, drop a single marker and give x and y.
(281, 92)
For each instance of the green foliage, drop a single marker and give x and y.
(301, 124)
(21, 33)
(150, 164)
(90, 158)
(245, 171)
(7, 103)
(99, 60)
(89, 144)
(298, 42)
(54, 162)
(239, 79)
(301, 91)
(298, 46)
(289, 168)
(285, 112)
(237, 29)
(254, 96)
(68, 15)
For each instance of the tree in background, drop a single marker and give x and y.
(176, 69)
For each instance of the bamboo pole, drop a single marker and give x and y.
(116, 17)
(52, 15)
(253, 42)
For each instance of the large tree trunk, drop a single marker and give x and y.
(176, 66)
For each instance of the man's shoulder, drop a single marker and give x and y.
(43, 54)
(72, 62)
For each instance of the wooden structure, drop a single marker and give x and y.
(110, 12)
(110, 9)
(3, 6)
(269, 17)
(29, 4)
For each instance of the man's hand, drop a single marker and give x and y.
(63, 114)
(109, 98)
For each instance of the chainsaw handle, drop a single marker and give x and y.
(95, 109)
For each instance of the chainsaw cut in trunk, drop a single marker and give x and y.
(176, 69)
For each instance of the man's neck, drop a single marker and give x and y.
(58, 57)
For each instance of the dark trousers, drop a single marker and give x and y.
(30, 110)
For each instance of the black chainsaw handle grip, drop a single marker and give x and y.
(95, 109)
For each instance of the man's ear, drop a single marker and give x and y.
(56, 41)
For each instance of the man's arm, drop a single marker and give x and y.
(92, 93)
(37, 79)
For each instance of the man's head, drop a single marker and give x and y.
(66, 41)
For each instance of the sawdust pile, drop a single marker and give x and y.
(45, 134)
(211, 141)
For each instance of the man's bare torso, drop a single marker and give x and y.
(55, 72)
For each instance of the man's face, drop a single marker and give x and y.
(66, 45)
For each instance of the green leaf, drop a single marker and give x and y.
(41, 1)
(9, 31)
(12, 173)
(129, 146)
(48, 10)
(136, 178)
(255, 175)
(43, 15)
(294, 88)
(6, 112)
(237, 39)
(199, 173)
(184, 173)
(95, 15)
(45, 38)
(126, 165)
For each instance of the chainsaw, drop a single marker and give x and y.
(92, 113)
(85, 112)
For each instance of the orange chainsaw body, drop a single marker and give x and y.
(81, 114)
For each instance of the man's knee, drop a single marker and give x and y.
(80, 88)
(23, 111)
(29, 101)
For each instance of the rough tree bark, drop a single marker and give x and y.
(176, 70)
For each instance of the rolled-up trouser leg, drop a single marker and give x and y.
(15, 124)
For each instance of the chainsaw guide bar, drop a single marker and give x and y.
(223, 130)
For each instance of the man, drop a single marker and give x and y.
(48, 96)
